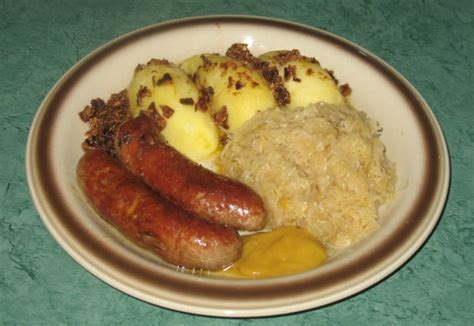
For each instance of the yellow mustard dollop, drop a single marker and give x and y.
(283, 251)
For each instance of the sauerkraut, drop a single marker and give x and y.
(321, 167)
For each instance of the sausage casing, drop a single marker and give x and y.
(152, 221)
(191, 186)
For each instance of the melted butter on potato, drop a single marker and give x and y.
(239, 91)
(190, 131)
(283, 251)
(304, 78)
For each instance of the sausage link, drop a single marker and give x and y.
(152, 221)
(191, 186)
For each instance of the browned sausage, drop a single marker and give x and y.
(194, 188)
(152, 221)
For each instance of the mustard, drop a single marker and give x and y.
(283, 251)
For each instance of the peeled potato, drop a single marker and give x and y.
(190, 131)
(304, 78)
(239, 91)
(191, 65)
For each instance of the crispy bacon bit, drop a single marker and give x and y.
(139, 68)
(239, 84)
(286, 74)
(312, 60)
(220, 117)
(290, 72)
(143, 91)
(157, 62)
(331, 73)
(241, 53)
(165, 79)
(167, 111)
(230, 82)
(207, 64)
(271, 75)
(103, 119)
(283, 57)
(345, 90)
(153, 114)
(309, 72)
(186, 101)
(282, 95)
(97, 103)
(205, 97)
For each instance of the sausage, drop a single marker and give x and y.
(152, 221)
(191, 186)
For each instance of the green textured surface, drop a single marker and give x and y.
(429, 42)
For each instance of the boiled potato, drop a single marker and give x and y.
(304, 78)
(191, 65)
(190, 131)
(239, 92)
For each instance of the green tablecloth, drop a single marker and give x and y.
(429, 42)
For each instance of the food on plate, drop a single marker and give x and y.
(152, 221)
(164, 86)
(192, 187)
(322, 168)
(241, 53)
(237, 91)
(305, 79)
(293, 156)
(283, 251)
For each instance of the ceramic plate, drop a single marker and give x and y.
(411, 134)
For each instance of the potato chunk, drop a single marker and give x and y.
(239, 92)
(173, 93)
(304, 78)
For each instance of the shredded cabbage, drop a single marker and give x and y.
(321, 167)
